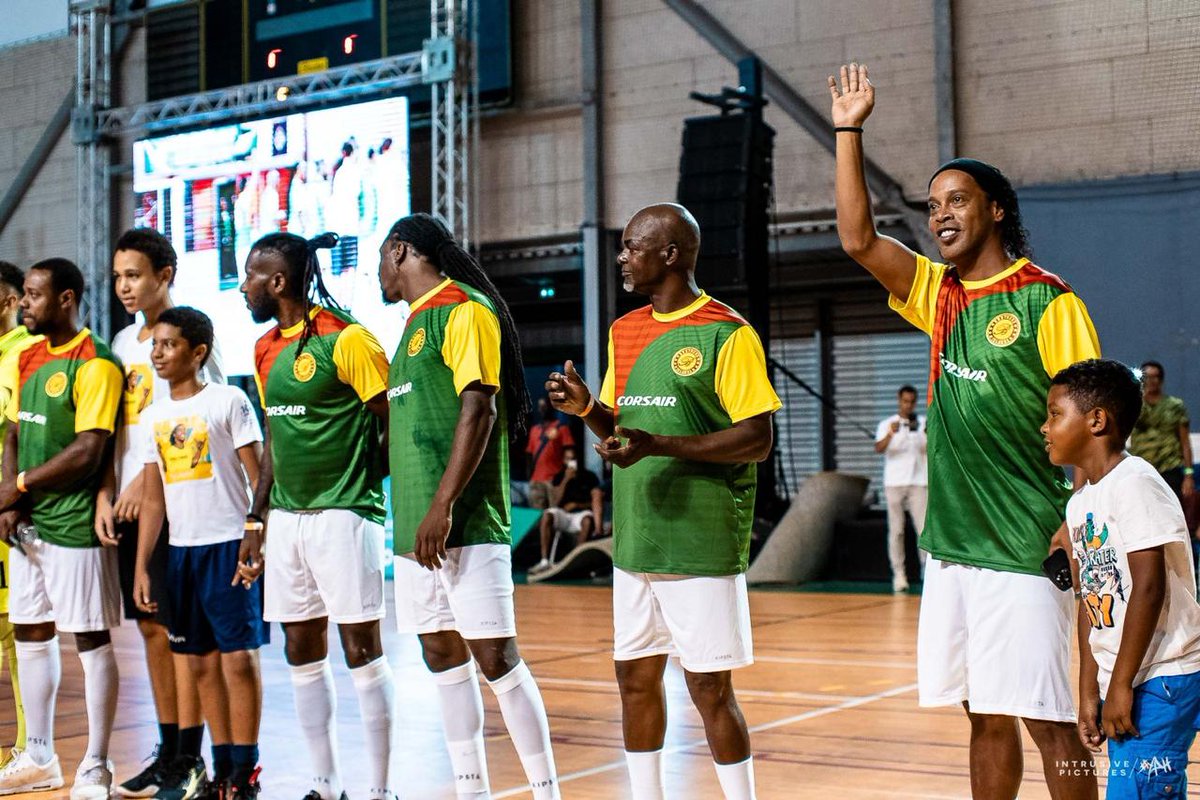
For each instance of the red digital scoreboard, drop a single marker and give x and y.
(294, 37)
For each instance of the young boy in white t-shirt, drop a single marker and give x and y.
(204, 444)
(1139, 622)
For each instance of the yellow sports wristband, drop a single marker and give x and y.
(253, 525)
(21, 482)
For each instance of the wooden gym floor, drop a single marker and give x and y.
(831, 702)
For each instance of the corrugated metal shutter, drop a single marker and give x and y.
(798, 423)
(868, 370)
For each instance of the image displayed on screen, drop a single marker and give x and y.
(215, 192)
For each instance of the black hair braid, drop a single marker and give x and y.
(303, 272)
(431, 239)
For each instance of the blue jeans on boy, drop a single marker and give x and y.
(1166, 712)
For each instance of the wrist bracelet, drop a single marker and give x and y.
(253, 526)
(591, 404)
(21, 482)
(1187, 473)
(848, 129)
(255, 518)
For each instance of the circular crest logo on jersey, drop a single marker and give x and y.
(416, 342)
(304, 367)
(1003, 330)
(687, 361)
(57, 384)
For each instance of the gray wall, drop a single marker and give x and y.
(1128, 247)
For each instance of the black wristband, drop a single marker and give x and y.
(847, 129)
(256, 518)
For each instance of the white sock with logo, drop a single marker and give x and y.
(737, 780)
(462, 719)
(646, 774)
(100, 683)
(377, 703)
(39, 667)
(525, 717)
(316, 707)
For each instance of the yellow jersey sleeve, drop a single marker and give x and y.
(10, 378)
(741, 377)
(360, 362)
(922, 298)
(98, 394)
(608, 387)
(472, 345)
(262, 395)
(1065, 334)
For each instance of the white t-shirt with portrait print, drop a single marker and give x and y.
(194, 444)
(143, 387)
(1130, 509)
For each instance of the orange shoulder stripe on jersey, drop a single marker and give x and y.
(32, 358)
(450, 295)
(266, 349)
(326, 322)
(951, 301)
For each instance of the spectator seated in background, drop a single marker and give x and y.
(576, 510)
(545, 453)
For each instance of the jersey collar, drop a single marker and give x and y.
(79, 337)
(691, 308)
(986, 282)
(294, 330)
(425, 298)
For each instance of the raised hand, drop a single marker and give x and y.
(567, 391)
(853, 97)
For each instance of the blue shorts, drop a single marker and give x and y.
(207, 612)
(1166, 712)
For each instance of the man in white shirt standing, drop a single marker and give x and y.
(901, 438)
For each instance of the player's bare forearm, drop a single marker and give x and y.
(1089, 670)
(8, 463)
(266, 478)
(601, 421)
(747, 441)
(471, 434)
(251, 457)
(1148, 574)
(150, 520)
(81, 458)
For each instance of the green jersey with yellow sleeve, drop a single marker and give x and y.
(994, 497)
(61, 392)
(695, 371)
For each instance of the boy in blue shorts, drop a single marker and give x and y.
(204, 444)
(1139, 622)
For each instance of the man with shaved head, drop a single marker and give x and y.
(684, 416)
(994, 634)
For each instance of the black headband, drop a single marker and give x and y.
(990, 179)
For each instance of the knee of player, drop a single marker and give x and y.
(636, 681)
(240, 664)
(497, 658)
(92, 640)
(709, 689)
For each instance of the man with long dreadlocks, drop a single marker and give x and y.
(994, 634)
(322, 379)
(457, 394)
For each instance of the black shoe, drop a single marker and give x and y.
(315, 795)
(213, 790)
(184, 779)
(244, 787)
(147, 782)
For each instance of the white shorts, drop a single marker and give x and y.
(569, 522)
(704, 620)
(76, 588)
(999, 640)
(323, 564)
(472, 593)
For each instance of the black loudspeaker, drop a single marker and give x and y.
(725, 177)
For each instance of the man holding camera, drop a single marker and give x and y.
(901, 439)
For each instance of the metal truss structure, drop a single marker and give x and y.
(447, 62)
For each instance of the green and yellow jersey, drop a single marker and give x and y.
(324, 440)
(61, 392)
(994, 497)
(451, 340)
(694, 371)
(12, 344)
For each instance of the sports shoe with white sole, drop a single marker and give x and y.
(185, 779)
(147, 782)
(93, 780)
(23, 774)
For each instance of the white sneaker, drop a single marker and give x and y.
(23, 774)
(541, 566)
(899, 585)
(93, 780)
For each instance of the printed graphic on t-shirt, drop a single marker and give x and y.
(1099, 572)
(182, 444)
(139, 391)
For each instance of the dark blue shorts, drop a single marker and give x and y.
(207, 612)
(1166, 712)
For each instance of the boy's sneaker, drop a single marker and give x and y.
(93, 780)
(184, 779)
(23, 774)
(244, 787)
(147, 782)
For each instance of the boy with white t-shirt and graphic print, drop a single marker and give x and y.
(1139, 622)
(202, 444)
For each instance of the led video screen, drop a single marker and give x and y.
(214, 192)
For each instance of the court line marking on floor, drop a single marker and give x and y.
(765, 726)
(766, 659)
(584, 683)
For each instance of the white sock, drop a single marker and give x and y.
(462, 719)
(737, 780)
(646, 775)
(100, 683)
(525, 717)
(316, 706)
(39, 667)
(377, 703)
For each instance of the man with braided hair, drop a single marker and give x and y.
(322, 379)
(457, 394)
